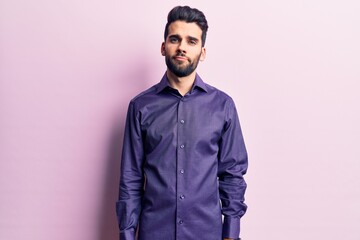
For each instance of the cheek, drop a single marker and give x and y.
(169, 48)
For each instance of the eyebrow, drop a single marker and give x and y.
(193, 38)
(178, 37)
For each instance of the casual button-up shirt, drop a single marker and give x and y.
(182, 165)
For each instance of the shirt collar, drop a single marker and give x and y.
(198, 83)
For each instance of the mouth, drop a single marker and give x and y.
(180, 58)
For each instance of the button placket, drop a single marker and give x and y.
(181, 154)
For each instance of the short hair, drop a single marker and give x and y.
(189, 15)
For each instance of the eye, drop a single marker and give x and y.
(193, 42)
(173, 40)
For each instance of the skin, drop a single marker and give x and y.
(183, 38)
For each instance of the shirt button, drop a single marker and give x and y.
(181, 221)
(182, 196)
(182, 146)
(182, 171)
(182, 121)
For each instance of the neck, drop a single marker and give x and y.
(182, 84)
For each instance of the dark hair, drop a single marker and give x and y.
(189, 15)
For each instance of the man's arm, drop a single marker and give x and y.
(128, 207)
(233, 164)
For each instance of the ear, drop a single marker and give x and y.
(203, 54)
(163, 49)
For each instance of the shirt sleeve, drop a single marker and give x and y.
(128, 207)
(233, 163)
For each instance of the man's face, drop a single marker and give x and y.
(182, 48)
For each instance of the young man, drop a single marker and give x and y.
(183, 149)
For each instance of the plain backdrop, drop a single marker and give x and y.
(68, 70)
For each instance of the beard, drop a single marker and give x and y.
(181, 71)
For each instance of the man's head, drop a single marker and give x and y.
(189, 15)
(185, 34)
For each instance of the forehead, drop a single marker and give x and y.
(185, 29)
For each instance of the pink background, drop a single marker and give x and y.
(69, 68)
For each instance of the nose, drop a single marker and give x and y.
(182, 47)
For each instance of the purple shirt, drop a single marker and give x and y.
(182, 165)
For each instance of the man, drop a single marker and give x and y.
(183, 149)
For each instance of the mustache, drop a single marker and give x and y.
(180, 54)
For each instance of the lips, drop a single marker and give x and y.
(181, 58)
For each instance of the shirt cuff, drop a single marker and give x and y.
(127, 235)
(231, 227)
